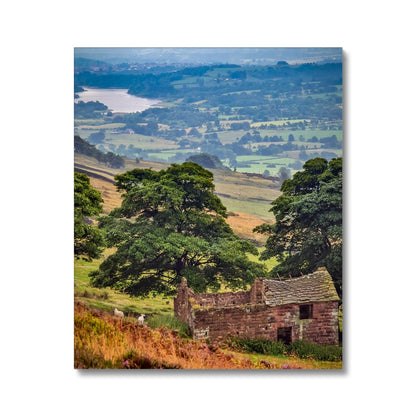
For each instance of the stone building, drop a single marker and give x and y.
(302, 308)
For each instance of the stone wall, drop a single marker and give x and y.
(220, 299)
(244, 314)
(262, 321)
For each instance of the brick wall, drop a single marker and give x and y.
(262, 321)
(243, 314)
(220, 299)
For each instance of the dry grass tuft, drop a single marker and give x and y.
(243, 224)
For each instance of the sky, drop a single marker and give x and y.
(209, 55)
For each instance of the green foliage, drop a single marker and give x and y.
(97, 138)
(169, 322)
(283, 174)
(207, 161)
(171, 225)
(307, 180)
(301, 349)
(308, 229)
(88, 240)
(91, 109)
(304, 349)
(85, 148)
(259, 346)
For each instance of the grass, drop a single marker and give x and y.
(101, 126)
(269, 263)
(140, 141)
(102, 341)
(307, 134)
(230, 136)
(253, 208)
(243, 224)
(108, 299)
(258, 164)
(89, 121)
(300, 349)
(169, 322)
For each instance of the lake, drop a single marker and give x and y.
(117, 100)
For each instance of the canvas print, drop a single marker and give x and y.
(208, 208)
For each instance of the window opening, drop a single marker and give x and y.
(305, 311)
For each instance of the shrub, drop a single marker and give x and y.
(132, 360)
(84, 358)
(301, 349)
(304, 349)
(260, 346)
(92, 295)
(169, 322)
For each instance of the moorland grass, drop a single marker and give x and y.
(102, 341)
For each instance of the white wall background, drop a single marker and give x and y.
(36, 205)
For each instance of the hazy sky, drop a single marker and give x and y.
(210, 55)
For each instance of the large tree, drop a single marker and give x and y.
(171, 225)
(88, 239)
(308, 229)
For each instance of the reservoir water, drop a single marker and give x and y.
(116, 99)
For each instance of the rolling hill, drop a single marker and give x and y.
(246, 196)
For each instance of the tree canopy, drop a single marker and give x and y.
(85, 148)
(88, 239)
(171, 225)
(308, 229)
(207, 161)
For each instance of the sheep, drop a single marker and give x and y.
(140, 319)
(118, 313)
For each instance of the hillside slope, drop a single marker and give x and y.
(247, 197)
(103, 341)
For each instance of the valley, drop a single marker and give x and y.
(253, 127)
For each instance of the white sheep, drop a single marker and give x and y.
(118, 313)
(140, 319)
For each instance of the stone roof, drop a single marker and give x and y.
(314, 287)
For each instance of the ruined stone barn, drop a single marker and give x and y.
(302, 308)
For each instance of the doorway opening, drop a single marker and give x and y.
(284, 334)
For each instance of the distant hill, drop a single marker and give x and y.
(85, 64)
(85, 148)
(240, 56)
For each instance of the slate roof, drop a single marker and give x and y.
(314, 287)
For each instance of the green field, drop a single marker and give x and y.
(140, 141)
(108, 299)
(160, 149)
(277, 122)
(258, 164)
(307, 134)
(256, 208)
